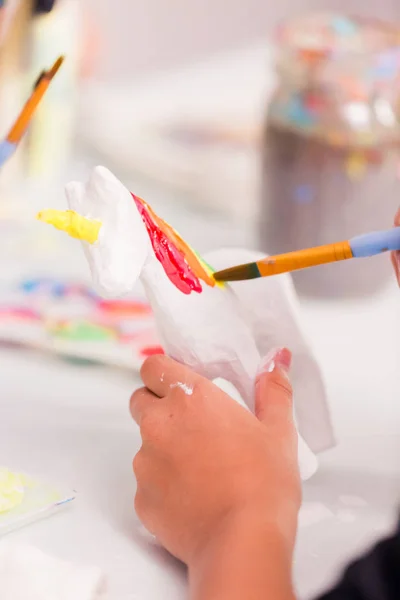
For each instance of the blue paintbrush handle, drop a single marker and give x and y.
(375, 243)
(7, 149)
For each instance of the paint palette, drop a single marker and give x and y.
(69, 319)
(34, 500)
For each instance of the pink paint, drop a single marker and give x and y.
(22, 314)
(151, 351)
(124, 308)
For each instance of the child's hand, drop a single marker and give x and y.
(208, 470)
(396, 255)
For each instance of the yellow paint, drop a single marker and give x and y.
(72, 223)
(356, 165)
(365, 138)
(12, 490)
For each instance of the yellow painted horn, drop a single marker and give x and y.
(72, 223)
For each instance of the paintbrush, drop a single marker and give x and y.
(14, 136)
(361, 246)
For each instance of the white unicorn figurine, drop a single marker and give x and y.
(218, 332)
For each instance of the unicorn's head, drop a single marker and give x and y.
(118, 230)
(105, 218)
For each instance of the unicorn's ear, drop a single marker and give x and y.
(104, 185)
(75, 193)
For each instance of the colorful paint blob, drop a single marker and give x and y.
(18, 314)
(183, 266)
(56, 288)
(124, 308)
(69, 319)
(82, 331)
(151, 351)
(172, 259)
(198, 265)
(12, 489)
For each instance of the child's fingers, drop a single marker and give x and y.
(395, 256)
(274, 398)
(161, 373)
(142, 400)
(396, 264)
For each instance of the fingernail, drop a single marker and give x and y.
(277, 358)
(396, 256)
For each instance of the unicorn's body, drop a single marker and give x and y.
(220, 333)
(204, 331)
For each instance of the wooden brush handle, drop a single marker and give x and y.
(21, 124)
(302, 259)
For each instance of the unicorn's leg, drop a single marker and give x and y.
(244, 382)
(236, 373)
(271, 308)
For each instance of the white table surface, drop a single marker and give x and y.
(70, 424)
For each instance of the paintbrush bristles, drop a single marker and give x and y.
(239, 273)
(55, 67)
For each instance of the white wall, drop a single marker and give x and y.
(142, 35)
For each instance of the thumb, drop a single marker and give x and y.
(396, 264)
(274, 396)
(396, 255)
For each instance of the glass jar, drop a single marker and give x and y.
(331, 163)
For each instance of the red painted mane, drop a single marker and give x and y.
(171, 258)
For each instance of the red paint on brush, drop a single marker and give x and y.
(172, 260)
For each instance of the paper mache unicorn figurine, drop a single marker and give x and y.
(220, 331)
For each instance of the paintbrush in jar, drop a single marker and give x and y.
(17, 131)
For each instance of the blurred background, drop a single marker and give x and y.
(154, 88)
(268, 125)
(156, 35)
